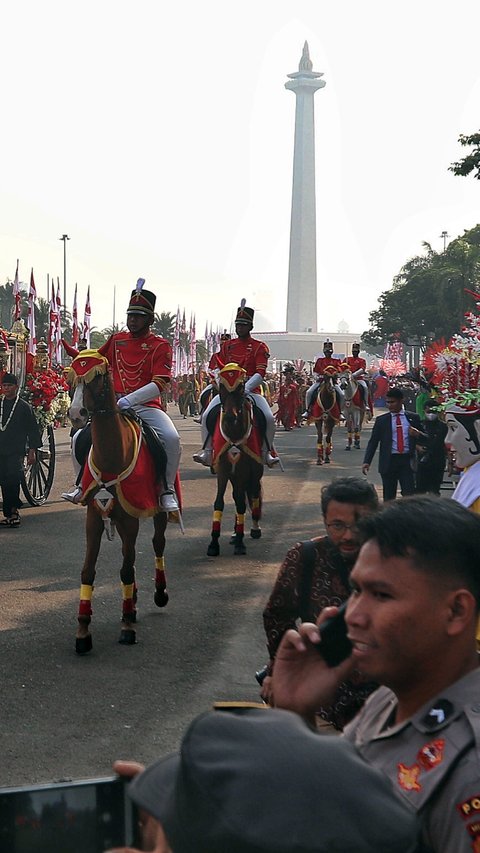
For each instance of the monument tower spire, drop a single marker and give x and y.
(302, 269)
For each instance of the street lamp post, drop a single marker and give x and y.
(64, 237)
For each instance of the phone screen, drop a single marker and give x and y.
(78, 817)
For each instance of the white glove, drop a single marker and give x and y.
(253, 382)
(137, 398)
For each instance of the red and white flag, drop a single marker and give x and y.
(52, 327)
(75, 334)
(58, 330)
(32, 297)
(86, 320)
(17, 307)
(193, 345)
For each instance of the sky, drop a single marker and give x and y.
(159, 137)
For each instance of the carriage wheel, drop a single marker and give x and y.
(37, 479)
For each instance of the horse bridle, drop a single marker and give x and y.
(101, 399)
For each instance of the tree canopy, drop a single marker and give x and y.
(428, 300)
(471, 161)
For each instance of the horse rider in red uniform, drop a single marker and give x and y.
(320, 369)
(210, 390)
(358, 368)
(141, 365)
(253, 356)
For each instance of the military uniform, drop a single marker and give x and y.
(141, 368)
(356, 364)
(137, 361)
(248, 353)
(252, 356)
(320, 367)
(433, 760)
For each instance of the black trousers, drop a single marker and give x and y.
(10, 476)
(399, 471)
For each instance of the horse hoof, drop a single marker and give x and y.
(348, 447)
(83, 645)
(127, 637)
(213, 550)
(319, 461)
(239, 550)
(327, 460)
(161, 597)
(256, 533)
(357, 445)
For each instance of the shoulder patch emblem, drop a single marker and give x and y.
(431, 754)
(408, 777)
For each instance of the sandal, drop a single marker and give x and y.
(14, 520)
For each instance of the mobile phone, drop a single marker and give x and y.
(335, 645)
(86, 816)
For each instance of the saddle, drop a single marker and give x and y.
(157, 451)
(258, 418)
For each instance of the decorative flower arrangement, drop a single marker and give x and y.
(46, 392)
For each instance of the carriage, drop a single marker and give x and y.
(34, 377)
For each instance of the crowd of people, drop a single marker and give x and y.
(400, 582)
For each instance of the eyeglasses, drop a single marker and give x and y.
(341, 527)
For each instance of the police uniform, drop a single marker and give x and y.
(252, 356)
(433, 760)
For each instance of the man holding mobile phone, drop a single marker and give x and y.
(314, 575)
(412, 620)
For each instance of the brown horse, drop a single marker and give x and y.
(325, 412)
(115, 440)
(235, 460)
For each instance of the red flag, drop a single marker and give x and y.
(17, 308)
(86, 319)
(75, 334)
(32, 296)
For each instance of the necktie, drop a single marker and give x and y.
(400, 441)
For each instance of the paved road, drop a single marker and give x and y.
(66, 716)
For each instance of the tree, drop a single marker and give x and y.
(164, 325)
(472, 160)
(427, 300)
(112, 330)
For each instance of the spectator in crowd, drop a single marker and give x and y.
(431, 450)
(316, 574)
(18, 427)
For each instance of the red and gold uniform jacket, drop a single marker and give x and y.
(215, 363)
(250, 354)
(322, 363)
(356, 363)
(137, 361)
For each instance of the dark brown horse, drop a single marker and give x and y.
(236, 460)
(115, 441)
(325, 413)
